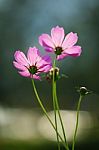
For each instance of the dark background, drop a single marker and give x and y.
(21, 23)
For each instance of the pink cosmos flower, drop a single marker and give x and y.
(32, 65)
(60, 44)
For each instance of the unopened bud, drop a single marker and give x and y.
(84, 91)
(56, 73)
(55, 70)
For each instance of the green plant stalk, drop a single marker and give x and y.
(77, 118)
(54, 105)
(45, 112)
(58, 109)
(57, 105)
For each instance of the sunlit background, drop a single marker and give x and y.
(22, 124)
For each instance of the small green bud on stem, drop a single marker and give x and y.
(83, 91)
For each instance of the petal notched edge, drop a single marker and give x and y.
(57, 34)
(70, 40)
(20, 58)
(46, 41)
(19, 66)
(32, 55)
(74, 51)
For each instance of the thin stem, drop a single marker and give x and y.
(54, 105)
(45, 112)
(58, 109)
(77, 118)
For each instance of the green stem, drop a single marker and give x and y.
(58, 109)
(77, 118)
(45, 112)
(54, 105)
(57, 106)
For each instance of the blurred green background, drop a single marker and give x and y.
(21, 23)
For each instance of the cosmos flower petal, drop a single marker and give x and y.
(45, 68)
(46, 41)
(36, 77)
(21, 58)
(73, 51)
(32, 55)
(62, 56)
(57, 35)
(45, 60)
(19, 66)
(45, 64)
(27, 74)
(70, 40)
(24, 73)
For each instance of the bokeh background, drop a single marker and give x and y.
(21, 23)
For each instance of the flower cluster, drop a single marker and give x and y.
(34, 64)
(59, 44)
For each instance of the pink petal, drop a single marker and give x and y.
(35, 77)
(45, 64)
(21, 58)
(70, 40)
(19, 66)
(57, 35)
(45, 60)
(27, 74)
(32, 55)
(24, 73)
(45, 68)
(62, 56)
(46, 41)
(73, 51)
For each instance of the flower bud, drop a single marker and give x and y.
(84, 91)
(56, 73)
(55, 70)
